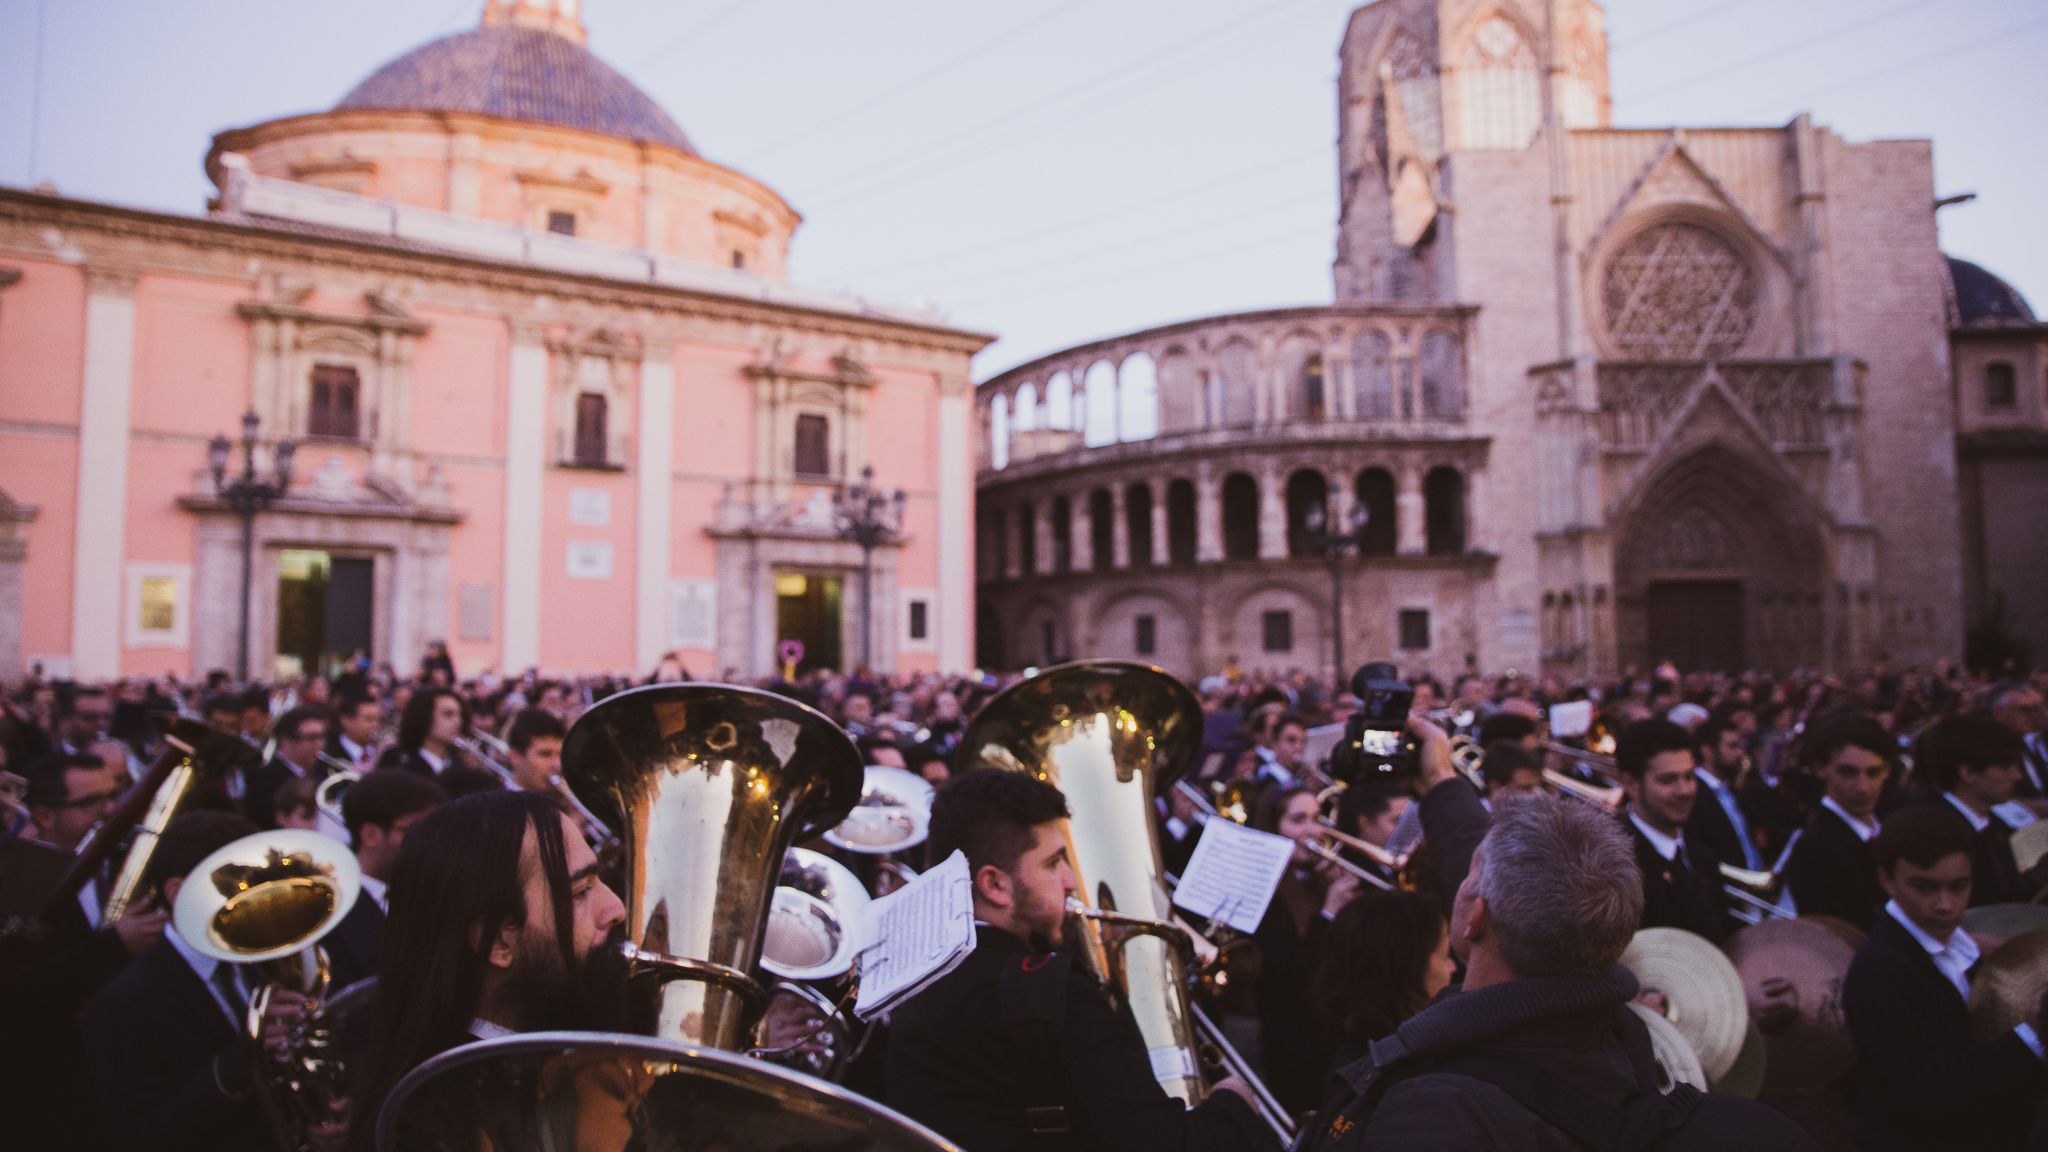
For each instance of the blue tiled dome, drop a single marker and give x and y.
(1984, 300)
(518, 74)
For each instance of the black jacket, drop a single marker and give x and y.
(1684, 892)
(1009, 1030)
(1454, 821)
(260, 786)
(1994, 874)
(1832, 872)
(1710, 825)
(1294, 1039)
(168, 1070)
(1537, 1065)
(356, 943)
(44, 1092)
(1921, 1082)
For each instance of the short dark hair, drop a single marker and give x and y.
(869, 743)
(386, 796)
(530, 725)
(918, 755)
(1503, 759)
(45, 775)
(1368, 798)
(221, 702)
(1825, 738)
(1973, 740)
(1290, 720)
(989, 814)
(288, 725)
(1505, 726)
(351, 700)
(1644, 740)
(189, 838)
(1922, 835)
(67, 702)
(1708, 734)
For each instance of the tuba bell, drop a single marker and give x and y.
(265, 901)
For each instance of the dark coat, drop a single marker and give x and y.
(1538, 1065)
(1009, 1030)
(355, 944)
(1710, 825)
(1684, 892)
(1994, 874)
(162, 1053)
(1832, 872)
(1777, 812)
(44, 1086)
(260, 787)
(1294, 1039)
(1920, 1080)
(1454, 821)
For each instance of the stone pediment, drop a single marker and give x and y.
(1675, 179)
(333, 488)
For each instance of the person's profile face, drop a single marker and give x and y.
(1289, 743)
(447, 719)
(1380, 829)
(1933, 898)
(1043, 880)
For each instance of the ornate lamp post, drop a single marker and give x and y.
(1317, 537)
(868, 516)
(248, 494)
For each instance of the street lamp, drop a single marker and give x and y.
(1317, 537)
(248, 494)
(868, 516)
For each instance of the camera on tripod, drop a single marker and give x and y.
(1376, 743)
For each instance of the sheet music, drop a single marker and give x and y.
(1233, 874)
(1571, 718)
(921, 932)
(1322, 740)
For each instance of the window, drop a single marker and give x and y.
(1146, 642)
(1062, 535)
(333, 410)
(1501, 90)
(562, 223)
(920, 620)
(1414, 629)
(1375, 491)
(1180, 522)
(739, 260)
(1101, 530)
(1027, 538)
(1308, 495)
(1138, 523)
(1276, 631)
(2001, 385)
(1312, 404)
(1046, 638)
(813, 453)
(591, 413)
(1240, 517)
(1443, 511)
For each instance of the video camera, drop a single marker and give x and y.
(1376, 742)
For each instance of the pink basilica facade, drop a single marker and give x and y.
(554, 399)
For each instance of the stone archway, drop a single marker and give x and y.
(14, 521)
(1720, 562)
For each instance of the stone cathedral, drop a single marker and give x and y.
(1591, 397)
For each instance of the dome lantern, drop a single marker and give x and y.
(558, 16)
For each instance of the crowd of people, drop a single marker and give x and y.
(1457, 987)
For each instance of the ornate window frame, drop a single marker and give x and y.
(289, 340)
(783, 393)
(600, 362)
(1769, 334)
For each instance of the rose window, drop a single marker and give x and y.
(1679, 292)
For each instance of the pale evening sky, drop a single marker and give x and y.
(1051, 170)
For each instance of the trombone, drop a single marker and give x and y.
(495, 755)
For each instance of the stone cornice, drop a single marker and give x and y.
(1237, 446)
(111, 279)
(415, 513)
(382, 319)
(221, 249)
(582, 183)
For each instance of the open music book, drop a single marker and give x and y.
(921, 932)
(1233, 874)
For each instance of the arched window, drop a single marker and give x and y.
(1059, 402)
(2001, 385)
(1372, 375)
(813, 456)
(1240, 384)
(1498, 88)
(1240, 517)
(1443, 503)
(1180, 523)
(1062, 534)
(592, 409)
(1138, 523)
(1443, 377)
(1027, 538)
(1101, 529)
(999, 433)
(1314, 402)
(1180, 393)
(1138, 398)
(1414, 76)
(1374, 489)
(1100, 384)
(1027, 408)
(1306, 490)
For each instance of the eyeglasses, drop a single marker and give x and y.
(96, 800)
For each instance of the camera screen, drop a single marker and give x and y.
(1379, 742)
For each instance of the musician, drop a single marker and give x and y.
(1922, 1081)
(1372, 810)
(535, 742)
(1389, 955)
(432, 721)
(83, 720)
(1015, 1049)
(300, 734)
(1975, 761)
(2019, 708)
(254, 720)
(378, 810)
(1539, 1048)
(1280, 753)
(357, 716)
(165, 1039)
(1832, 871)
(1510, 769)
(1681, 877)
(494, 925)
(1294, 1039)
(1718, 818)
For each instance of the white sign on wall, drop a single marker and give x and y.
(590, 559)
(693, 614)
(590, 506)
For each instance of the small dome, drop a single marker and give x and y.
(1983, 300)
(518, 74)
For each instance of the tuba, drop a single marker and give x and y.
(265, 901)
(1108, 734)
(708, 786)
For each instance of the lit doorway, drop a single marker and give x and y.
(324, 611)
(807, 610)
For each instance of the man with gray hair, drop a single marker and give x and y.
(1539, 1049)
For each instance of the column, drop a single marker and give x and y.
(1161, 554)
(1272, 515)
(1413, 538)
(955, 605)
(102, 518)
(1081, 532)
(655, 488)
(1119, 528)
(1208, 514)
(1041, 524)
(525, 454)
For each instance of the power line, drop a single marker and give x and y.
(692, 32)
(1676, 25)
(922, 78)
(1993, 40)
(1786, 49)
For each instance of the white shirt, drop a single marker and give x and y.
(377, 890)
(1864, 832)
(89, 899)
(483, 1029)
(1725, 797)
(435, 762)
(356, 753)
(1977, 823)
(202, 966)
(1953, 958)
(1666, 846)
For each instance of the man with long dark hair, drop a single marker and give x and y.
(497, 923)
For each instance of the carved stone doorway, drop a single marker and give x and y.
(1697, 624)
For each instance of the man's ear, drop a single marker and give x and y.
(170, 889)
(504, 946)
(992, 886)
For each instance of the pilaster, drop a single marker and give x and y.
(525, 457)
(102, 515)
(652, 498)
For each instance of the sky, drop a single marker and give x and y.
(1052, 171)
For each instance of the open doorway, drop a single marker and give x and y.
(807, 609)
(324, 610)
